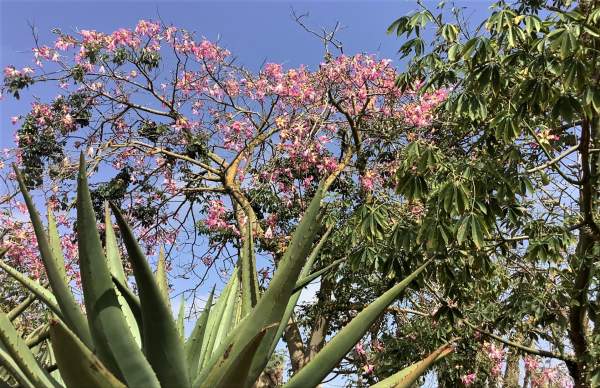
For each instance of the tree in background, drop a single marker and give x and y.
(508, 178)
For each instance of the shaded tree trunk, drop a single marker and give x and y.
(511, 374)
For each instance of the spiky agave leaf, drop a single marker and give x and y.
(193, 345)
(114, 342)
(407, 376)
(215, 319)
(317, 369)
(79, 367)
(161, 278)
(117, 271)
(71, 311)
(13, 369)
(15, 348)
(291, 303)
(162, 344)
(272, 304)
(43, 294)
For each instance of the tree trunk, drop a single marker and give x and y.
(321, 323)
(582, 261)
(511, 374)
(293, 339)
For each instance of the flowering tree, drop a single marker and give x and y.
(191, 144)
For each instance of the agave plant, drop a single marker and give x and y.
(124, 339)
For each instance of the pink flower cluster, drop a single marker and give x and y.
(367, 367)
(235, 134)
(147, 28)
(496, 356)
(420, 113)
(204, 51)
(215, 219)
(11, 71)
(23, 252)
(541, 376)
(367, 181)
(468, 379)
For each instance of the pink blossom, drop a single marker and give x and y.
(64, 42)
(358, 348)
(368, 369)
(147, 28)
(468, 379)
(10, 71)
(14, 119)
(367, 181)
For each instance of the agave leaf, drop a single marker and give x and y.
(21, 307)
(7, 362)
(325, 360)
(181, 316)
(215, 319)
(35, 287)
(55, 246)
(291, 304)
(226, 323)
(19, 352)
(162, 344)
(132, 301)
(272, 304)
(39, 335)
(52, 361)
(240, 367)
(161, 278)
(247, 264)
(115, 266)
(114, 342)
(303, 282)
(71, 312)
(407, 376)
(193, 345)
(79, 367)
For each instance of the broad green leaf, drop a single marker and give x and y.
(162, 344)
(78, 366)
(193, 345)
(317, 369)
(18, 350)
(71, 311)
(462, 229)
(117, 271)
(476, 232)
(115, 345)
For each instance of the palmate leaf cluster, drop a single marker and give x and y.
(125, 339)
(514, 140)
